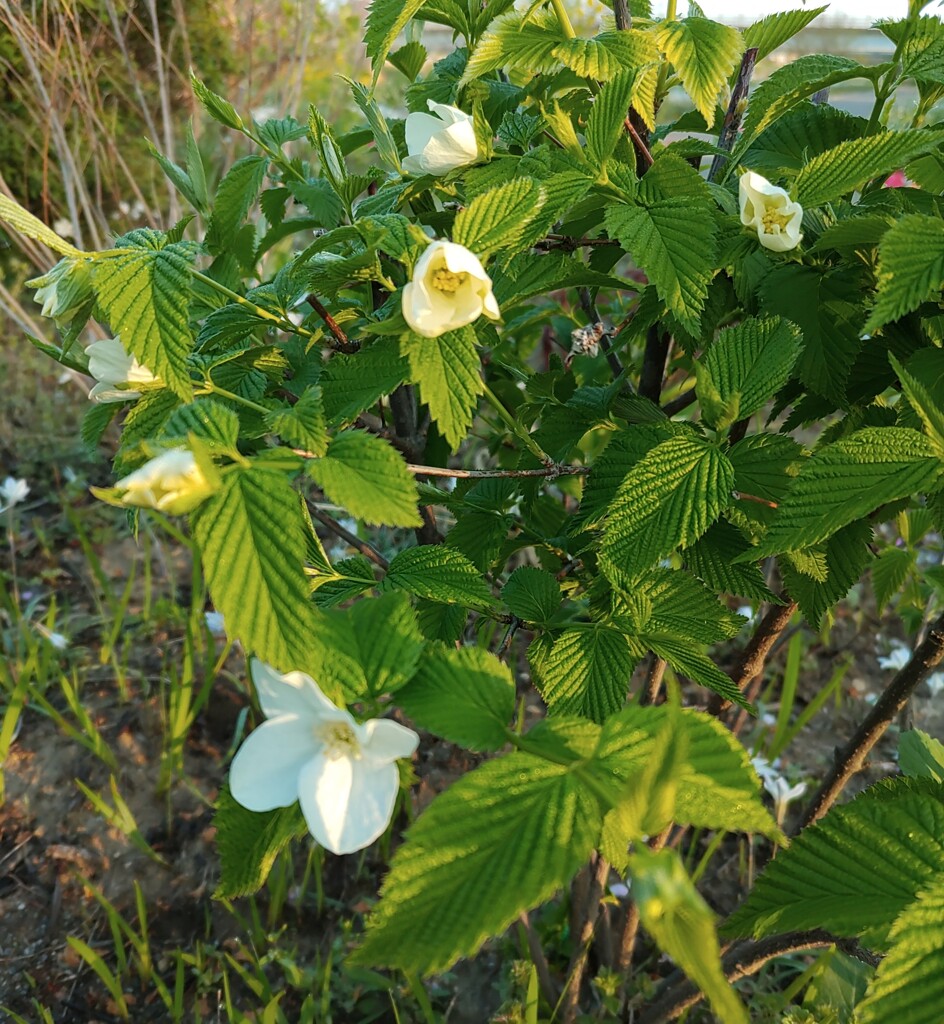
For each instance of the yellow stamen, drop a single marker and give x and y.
(339, 740)
(447, 282)
(773, 219)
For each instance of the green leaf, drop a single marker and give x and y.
(529, 274)
(219, 109)
(703, 53)
(95, 421)
(532, 594)
(922, 398)
(673, 242)
(889, 572)
(910, 269)
(409, 59)
(773, 31)
(234, 197)
(386, 19)
(207, 419)
(921, 756)
(666, 501)
(145, 296)
(851, 164)
(23, 221)
(439, 573)
(605, 125)
(854, 871)
(673, 911)
(302, 424)
(712, 559)
(467, 696)
(447, 371)
(353, 383)
(496, 219)
(249, 842)
(849, 479)
(368, 476)
(681, 654)
(585, 671)
(518, 128)
(251, 536)
(500, 840)
(383, 140)
(748, 364)
(909, 982)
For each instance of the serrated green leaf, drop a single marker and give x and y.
(251, 536)
(95, 421)
(518, 128)
(855, 870)
(219, 109)
(889, 572)
(748, 364)
(302, 424)
(383, 140)
(23, 221)
(801, 134)
(205, 418)
(409, 59)
(439, 573)
(386, 19)
(773, 31)
(368, 476)
(673, 242)
(585, 671)
(849, 479)
(353, 383)
(145, 296)
(676, 915)
(528, 275)
(605, 125)
(447, 371)
(911, 268)
(532, 594)
(667, 500)
(711, 559)
(234, 197)
(500, 840)
(851, 164)
(496, 219)
(921, 756)
(909, 982)
(703, 53)
(681, 654)
(249, 842)
(467, 696)
(681, 604)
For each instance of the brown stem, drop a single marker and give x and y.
(360, 545)
(927, 656)
(638, 141)
(578, 962)
(545, 981)
(631, 924)
(743, 959)
(624, 20)
(653, 363)
(732, 116)
(570, 244)
(680, 403)
(754, 656)
(654, 674)
(341, 341)
(509, 636)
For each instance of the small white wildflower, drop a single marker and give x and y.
(897, 657)
(441, 141)
(783, 794)
(12, 492)
(215, 624)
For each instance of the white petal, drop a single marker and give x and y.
(450, 148)
(266, 769)
(414, 165)
(347, 804)
(419, 129)
(460, 260)
(293, 694)
(447, 113)
(384, 741)
(108, 361)
(103, 392)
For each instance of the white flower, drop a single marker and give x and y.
(783, 794)
(770, 211)
(111, 365)
(215, 624)
(58, 640)
(935, 683)
(173, 482)
(65, 289)
(12, 492)
(441, 143)
(897, 658)
(449, 290)
(343, 774)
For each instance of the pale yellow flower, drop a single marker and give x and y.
(770, 211)
(440, 142)
(172, 482)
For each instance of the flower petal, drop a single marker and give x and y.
(460, 260)
(266, 769)
(419, 129)
(384, 741)
(347, 804)
(292, 694)
(447, 113)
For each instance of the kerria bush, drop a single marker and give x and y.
(601, 376)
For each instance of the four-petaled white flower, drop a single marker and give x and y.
(172, 482)
(343, 774)
(439, 142)
(12, 492)
(783, 794)
(770, 211)
(449, 290)
(111, 365)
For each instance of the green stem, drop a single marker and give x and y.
(260, 311)
(515, 427)
(210, 388)
(671, 12)
(566, 27)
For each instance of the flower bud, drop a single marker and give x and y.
(441, 143)
(111, 365)
(769, 210)
(449, 290)
(173, 482)
(65, 289)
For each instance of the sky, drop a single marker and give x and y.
(864, 11)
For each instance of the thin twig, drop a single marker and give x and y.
(927, 656)
(570, 244)
(589, 307)
(578, 962)
(342, 342)
(513, 628)
(680, 403)
(496, 474)
(655, 672)
(638, 141)
(653, 363)
(735, 112)
(360, 545)
(631, 925)
(545, 981)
